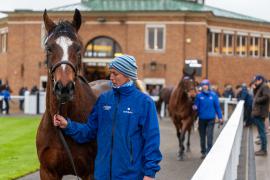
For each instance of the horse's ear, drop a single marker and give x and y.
(77, 20)
(49, 24)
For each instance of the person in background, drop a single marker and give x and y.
(260, 110)
(21, 93)
(228, 93)
(124, 121)
(6, 94)
(244, 95)
(207, 106)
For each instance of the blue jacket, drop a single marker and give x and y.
(207, 104)
(6, 94)
(125, 123)
(244, 95)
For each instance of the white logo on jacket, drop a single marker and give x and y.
(107, 108)
(128, 111)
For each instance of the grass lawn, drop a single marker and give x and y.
(18, 146)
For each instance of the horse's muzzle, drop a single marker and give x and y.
(64, 93)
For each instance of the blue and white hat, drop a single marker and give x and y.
(126, 65)
(205, 82)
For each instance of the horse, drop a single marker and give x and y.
(68, 94)
(164, 98)
(181, 111)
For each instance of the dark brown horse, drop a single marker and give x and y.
(163, 100)
(181, 111)
(69, 95)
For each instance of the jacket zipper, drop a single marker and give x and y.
(113, 128)
(131, 152)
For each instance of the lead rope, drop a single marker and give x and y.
(66, 145)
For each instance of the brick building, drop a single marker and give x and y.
(164, 36)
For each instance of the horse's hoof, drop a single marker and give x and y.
(180, 158)
(188, 150)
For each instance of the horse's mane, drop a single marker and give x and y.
(63, 27)
(180, 94)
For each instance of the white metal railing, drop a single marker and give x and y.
(30, 103)
(225, 101)
(222, 160)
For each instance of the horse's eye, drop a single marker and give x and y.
(48, 50)
(78, 50)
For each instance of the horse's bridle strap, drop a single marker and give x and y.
(53, 68)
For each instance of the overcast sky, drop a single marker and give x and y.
(258, 8)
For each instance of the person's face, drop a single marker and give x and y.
(258, 82)
(205, 87)
(117, 78)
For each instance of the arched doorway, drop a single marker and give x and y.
(98, 53)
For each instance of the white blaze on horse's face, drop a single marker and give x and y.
(64, 42)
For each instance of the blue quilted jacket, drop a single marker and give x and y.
(124, 122)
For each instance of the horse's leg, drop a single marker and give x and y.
(188, 141)
(178, 133)
(45, 174)
(182, 147)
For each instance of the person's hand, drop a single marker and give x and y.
(194, 107)
(59, 121)
(147, 178)
(221, 121)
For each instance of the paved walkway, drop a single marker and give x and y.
(262, 162)
(171, 169)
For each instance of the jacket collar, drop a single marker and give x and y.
(125, 89)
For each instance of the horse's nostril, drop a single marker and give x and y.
(70, 86)
(58, 87)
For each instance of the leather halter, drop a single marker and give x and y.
(55, 66)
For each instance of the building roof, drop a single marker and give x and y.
(152, 5)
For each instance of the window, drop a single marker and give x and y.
(227, 47)
(266, 48)
(254, 46)
(102, 47)
(3, 40)
(214, 43)
(241, 45)
(42, 35)
(155, 37)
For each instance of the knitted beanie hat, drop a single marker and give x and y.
(126, 65)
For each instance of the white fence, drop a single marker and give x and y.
(222, 160)
(225, 101)
(31, 101)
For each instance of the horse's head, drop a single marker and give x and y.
(63, 52)
(188, 84)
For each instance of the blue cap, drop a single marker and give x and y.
(205, 82)
(258, 77)
(126, 65)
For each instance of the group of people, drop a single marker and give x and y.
(256, 110)
(131, 131)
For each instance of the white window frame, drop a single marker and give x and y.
(4, 42)
(227, 34)
(213, 38)
(42, 79)
(266, 55)
(42, 35)
(241, 35)
(155, 26)
(253, 43)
